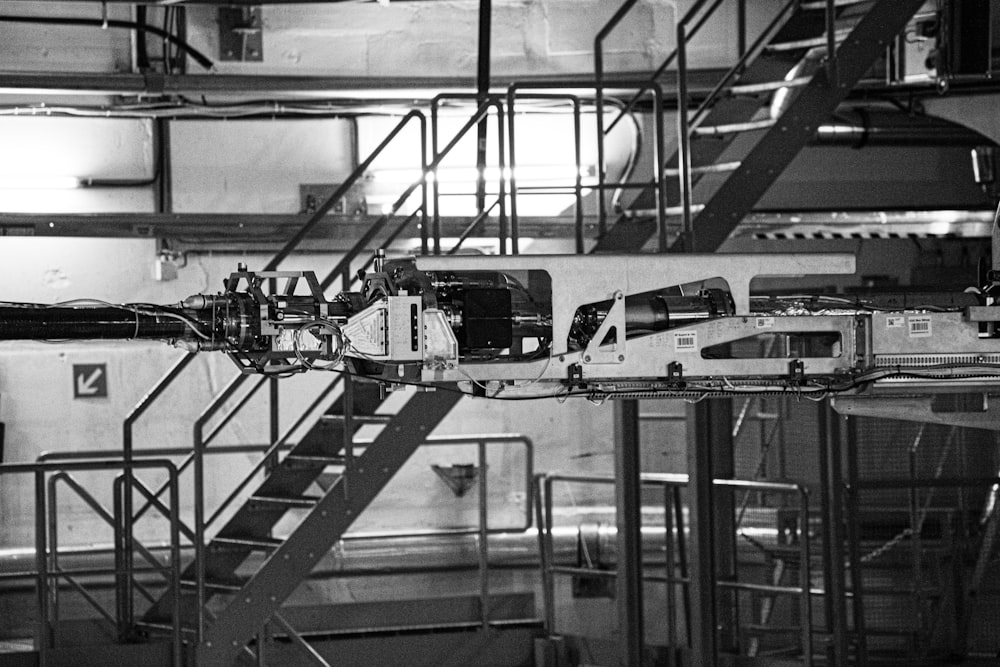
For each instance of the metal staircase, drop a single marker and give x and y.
(354, 478)
(759, 116)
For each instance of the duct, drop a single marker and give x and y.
(860, 126)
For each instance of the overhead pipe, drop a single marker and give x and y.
(862, 126)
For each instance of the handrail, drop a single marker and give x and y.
(43, 572)
(658, 72)
(804, 591)
(482, 112)
(574, 100)
(686, 124)
(616, 18)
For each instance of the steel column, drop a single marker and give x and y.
(629, 519)
(832, 482)
(709, 424)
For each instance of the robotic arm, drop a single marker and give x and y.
(595, 326)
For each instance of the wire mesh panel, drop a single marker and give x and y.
(924, 513)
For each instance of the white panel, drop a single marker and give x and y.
(84, 148)
(254, 166)
(64, 48)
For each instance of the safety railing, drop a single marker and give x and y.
(481, 530)
(513, 94)
(686, 125)
(687, 28)
(916, 540)
(48, 572)
(675, 553)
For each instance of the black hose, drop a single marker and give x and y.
(57, 323)
(115, 23)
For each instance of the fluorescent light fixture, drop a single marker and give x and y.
(10, 182)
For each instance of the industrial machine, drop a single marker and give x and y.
(597, 326)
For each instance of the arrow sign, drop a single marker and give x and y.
(90, 380)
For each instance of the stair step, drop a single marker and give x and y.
(795, 45)
(768, 86)
(720, 168)
(313, 460)
(285, 501)
(730, 128)
(816, 5)
(263, 543)
(221, 586)
(668, 211)
(358, 419)
(165, 626)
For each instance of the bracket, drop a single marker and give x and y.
(613, 324)
(241, 34)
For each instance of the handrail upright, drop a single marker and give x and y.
(578, 158)
(751, 52)
(602, 209)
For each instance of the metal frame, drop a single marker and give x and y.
(47, 568)
(667, 481)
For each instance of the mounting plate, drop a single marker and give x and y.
(241, 34)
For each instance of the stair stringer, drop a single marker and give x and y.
(796, 126)
(235, 625)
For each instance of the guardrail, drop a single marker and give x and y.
(47, 568)
(674, 548)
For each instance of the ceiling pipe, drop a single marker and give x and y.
(862, 126)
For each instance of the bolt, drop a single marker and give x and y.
(587, 358)
(621, 357)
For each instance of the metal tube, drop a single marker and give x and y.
(805, 578)
(41, 566)
(831, 44)
(53, 555)
(684, 142)
(578, 179)
(628, 563)
(659, 169)
(668, 555)
(504, 232)
(435, 187)
(482, 95)
(483, 550)
(549, 593)
(854, 543)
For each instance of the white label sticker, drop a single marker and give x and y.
(895, 321)
(919, 326)
(765, 322)
(685, 341)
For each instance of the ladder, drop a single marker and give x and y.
(759, 117)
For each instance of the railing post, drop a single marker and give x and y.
(805, 578)
(41, 565)
(684, 140)
(484, 531)
(602, 209)
(831, 44)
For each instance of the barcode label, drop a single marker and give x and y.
(895, 321)
(919, 326)
(685, 341)
(765, 322)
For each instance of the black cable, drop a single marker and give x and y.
(197, 55)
